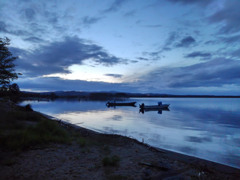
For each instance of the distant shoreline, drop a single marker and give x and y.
(187, 96)
(105, 96)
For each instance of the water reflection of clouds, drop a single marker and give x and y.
(116, 118)
(186, 149)
(198, 139)
(209, 122)
(156, 139)
(64, 106)
(231, 159)
(219, 104)
(191, 127)
(210, 115)
(237, 142)
(112, 130)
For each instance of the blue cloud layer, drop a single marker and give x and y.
(56, 57)
(50, 37)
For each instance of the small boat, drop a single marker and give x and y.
(112, 104)
(156, 107)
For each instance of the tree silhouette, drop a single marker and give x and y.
(14, 88)
(7, 66)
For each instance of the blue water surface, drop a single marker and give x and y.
(207, 128)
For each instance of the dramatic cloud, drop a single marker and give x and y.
(115, 6)
(91, 39)
(34, 39)
(114, 75)
(170, 40)
(231, 39)
(130, 13)
(236, 53)
(142, 59)
(186, 42)
(29, 14)
(214, 73)
(196, 139)
(55, 84)
(4, 28)
(203, 55)
(187, 2)
(87, 21)
(56, 57)
(170, 44)
(40, 19)
(229, 16)
(151, 56)
(153, 26)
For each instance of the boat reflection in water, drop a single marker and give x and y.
(141, 110)
(160, 107)
(114, 104)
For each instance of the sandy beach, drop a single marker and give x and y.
(91, 155)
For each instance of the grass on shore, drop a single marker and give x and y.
(111, 161)
(43, 132)
(22, 129)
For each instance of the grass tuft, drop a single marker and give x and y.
(9, 162)
(81, 141)
(28, 107)
(111, 161)
(117, 177)
(24, 115)
(45, 131)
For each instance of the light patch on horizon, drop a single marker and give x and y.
(86, 73)
(90, 73)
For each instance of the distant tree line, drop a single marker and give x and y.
(99, 96)
(107, 96)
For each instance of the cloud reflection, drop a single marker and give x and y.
(198, 139)
(206, 128)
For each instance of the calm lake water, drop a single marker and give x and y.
(208, 128)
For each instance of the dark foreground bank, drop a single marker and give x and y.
(34, 147)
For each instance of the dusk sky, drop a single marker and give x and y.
(153, 46)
